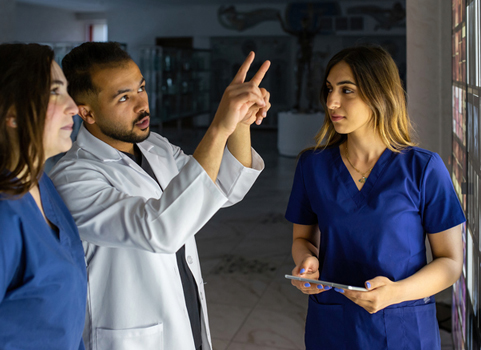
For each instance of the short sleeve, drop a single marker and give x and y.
(10, 249)
(441, 209)
(299, 209)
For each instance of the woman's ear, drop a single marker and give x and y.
(11, 119)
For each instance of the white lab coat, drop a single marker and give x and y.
(131, 231)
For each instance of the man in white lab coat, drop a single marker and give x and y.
(138, 200)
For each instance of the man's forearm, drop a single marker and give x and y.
(239, 145)
(210, 150)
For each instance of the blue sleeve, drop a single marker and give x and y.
(440, 208)
(299, 209)
(81, 345)
(10, 248)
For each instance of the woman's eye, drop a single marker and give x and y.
(348, 91)
(54, 91)
(123, 98)
(329, 90)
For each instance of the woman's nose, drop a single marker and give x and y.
(333, 101)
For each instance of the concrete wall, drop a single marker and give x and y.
(429, 73)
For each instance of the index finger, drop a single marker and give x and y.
(257, 78)
(240, 77)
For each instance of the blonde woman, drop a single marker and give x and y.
(363, 201)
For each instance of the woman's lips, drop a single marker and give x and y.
(144, 123)
(336, 118)
(68, 127)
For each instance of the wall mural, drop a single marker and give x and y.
(230, 18)
(385, 18)
(308, 24)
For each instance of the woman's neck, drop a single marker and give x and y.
(364, 149)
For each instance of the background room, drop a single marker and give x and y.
(188, 52)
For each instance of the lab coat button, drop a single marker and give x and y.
(190, 260)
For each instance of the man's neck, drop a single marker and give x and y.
(118, 145)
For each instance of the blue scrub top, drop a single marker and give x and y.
(377, 231)
(43, 281)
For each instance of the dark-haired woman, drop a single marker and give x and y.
(42, 266)
(363, 201)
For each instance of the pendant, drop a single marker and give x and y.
(362, 179)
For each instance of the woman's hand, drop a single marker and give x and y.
(308, 268)
(381, 293)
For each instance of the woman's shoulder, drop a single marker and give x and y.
(419, 154)
(318, 154)
(421, 160)
(11, 216)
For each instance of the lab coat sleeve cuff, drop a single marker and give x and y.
(234, 179)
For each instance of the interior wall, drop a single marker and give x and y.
(429, 73)
(46, 24)
(140, 26)
(7, 20)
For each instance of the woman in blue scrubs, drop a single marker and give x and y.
(42, 267)
(362, 203)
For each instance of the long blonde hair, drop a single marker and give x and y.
(377, 78)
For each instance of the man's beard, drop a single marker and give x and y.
(114, 132)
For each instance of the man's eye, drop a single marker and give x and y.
(142, 88)
(123, 98)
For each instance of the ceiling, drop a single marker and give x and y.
(105, 5)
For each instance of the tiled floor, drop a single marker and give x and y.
(245, 252)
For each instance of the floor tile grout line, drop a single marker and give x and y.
(253, 308)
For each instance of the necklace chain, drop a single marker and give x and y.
(364, 177)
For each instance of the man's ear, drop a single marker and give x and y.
(86, 113)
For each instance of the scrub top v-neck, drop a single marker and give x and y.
(379, 230)
(43, 282)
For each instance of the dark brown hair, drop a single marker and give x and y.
(78, 64)
(380, 88)
(24, 94)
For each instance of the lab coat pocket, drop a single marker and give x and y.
(324, 326)
(148, 338)
(412, 327)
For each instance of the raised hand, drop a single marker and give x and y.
(309, 268)
(243, 102)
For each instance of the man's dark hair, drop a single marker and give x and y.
(77, 65)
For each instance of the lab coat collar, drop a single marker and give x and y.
(102, 150)
(106, 153)
(96, 147)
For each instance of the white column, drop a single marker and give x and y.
(7, 20)
(428, 26)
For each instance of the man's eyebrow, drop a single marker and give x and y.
(123, 91)
(342, 82)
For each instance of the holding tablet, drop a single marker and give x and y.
(324, 283)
